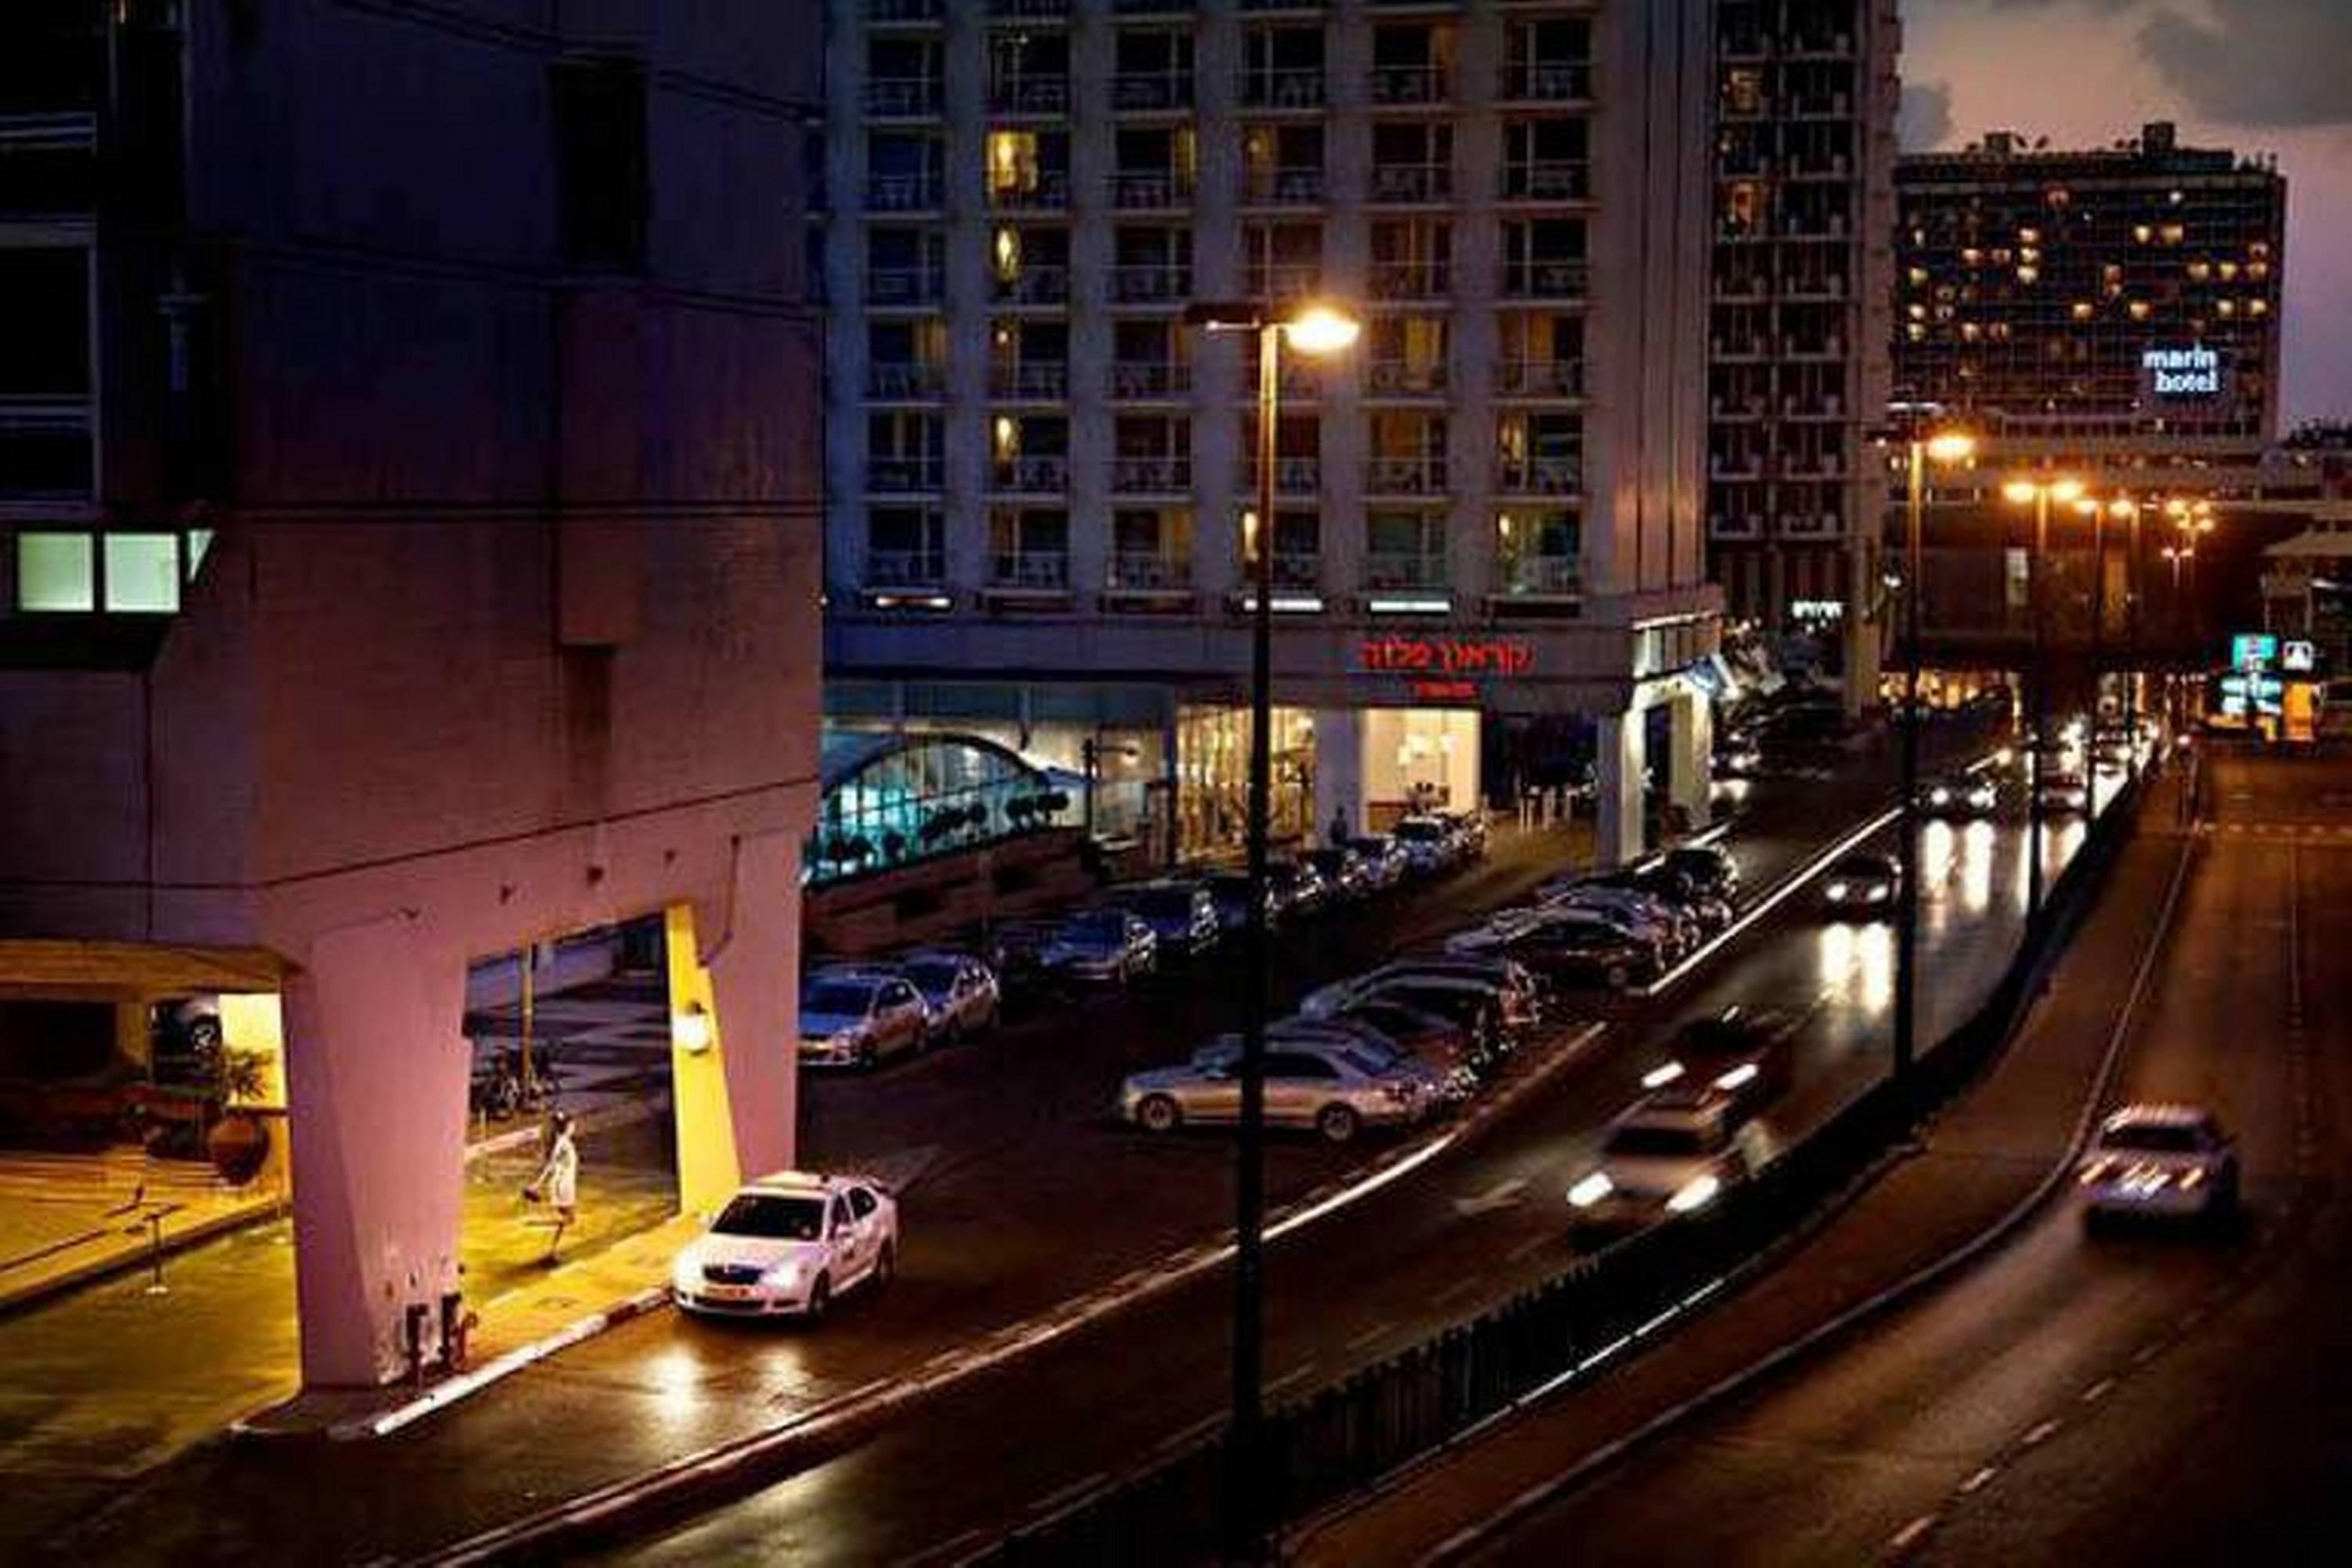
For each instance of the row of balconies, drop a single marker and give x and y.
(1734, 466)
(1158, 572)
(925, 286)
(1165, 91)
(1828, 406)
(1172, 474)
(1788, 285)
(919, 13)
(1791, 106)
(1745, 48)
(1153, 190)
(1733, 350)
(909, 381)
(1785, 525)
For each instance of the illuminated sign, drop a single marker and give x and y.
(2263, 693)
(2181, 372)
(2253, 650)
(2298, 657)
(1452, 658)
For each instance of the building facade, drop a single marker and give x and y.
(408, 550)
(1799, 372)
(1488, 514)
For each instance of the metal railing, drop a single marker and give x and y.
(1541, 377)
(904, 378)
(1412, 182)
(1406, 476)
(902, 192)
(1044, 379)
(1145, 190)
(1151, 476)
(1548, 81)
(1410, 279)
(906, 568)
(1144, 283)
(1033, 475)
(1038, 569)
(1036, 283)
(1299, 184)
(1408, 84)
(1525, 279)
(1539, 476)
(1030, 95)
(1284, 280)
(891, 475)
(1292, 476)
(1394, 377)
(902, 96)
(1556, 180)
(1540, 576)
(1050, 192)
(1393, 568)
(1144, 378)
(1141, 91)
(1149, 572)
(1296, 88)
(903, 286)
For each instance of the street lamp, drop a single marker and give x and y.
(1945, 446)
(1319, 330)
(2038, 494)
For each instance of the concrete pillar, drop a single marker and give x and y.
(1339, 768)
(377, 1069)
(737, 1098)
(1618, 835)
(1690, 756)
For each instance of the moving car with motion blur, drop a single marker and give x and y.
(1336, 1087)
(1673, 1152)
(788, 1245)
(858, 1016)
(1102, 947)
(1862, 885)
(2171, 1161)
(1961, 794)
(1748, 1053)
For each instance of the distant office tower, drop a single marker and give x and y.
(1488, 518)
(1804, 209)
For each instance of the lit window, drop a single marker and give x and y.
(56, 572)
(142, 572)
(1008, 255)
(1969, 331)
(2258, 306)
(1919, 277)
(1011, 163)
(2083, 309)
(2138, 309)
(1008, 438)
(2029, 236)
(2030, 254)
(1971, 256)
(2227, 307)
(2172, 233)
(2142, 233)
(2259, 249)
(2199, 271)
(1917, 332)
(2229, 270)
(2029, 275)
(1918, 312)
(2258, 270)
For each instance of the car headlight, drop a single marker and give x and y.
(1737, 1077)
(687, 1272)
(783, 1275)
(1659, 1077)
(1590, 1190)
(1940, 797)
(1877, 893)
(1836, 892)
(1694, 1194)
(845, 1039)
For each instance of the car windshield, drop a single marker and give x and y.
(2152, 1138)
(835, 996)
(770, 1216)
(933, 974)
(1366, 1060)
(1657, 1143)
(1859, 865)
(1418, 832)
(1714, 1036)
(1101, 926)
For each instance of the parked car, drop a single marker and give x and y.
(1299, 887)
(1429, 843)
(1675, 1153)
(1229, 895)
(1863, 884)
(1737, 756)
(1567, 947)
(1109, 946)
(1182, 914)
(1675, 890)
(1334, 1088)
(859, 1016)
(1454, 1045)
(1452, 1073)
(1748, 1053)
(1508, 987)
(2159, 1160)
(1469, 831)
(789, 1244)
(1015, 950)
(959, 989)
(1383, 858)
(1344, 871)
(1961, 794)
(2068, 794)
(1712, 868)
(1639, 914)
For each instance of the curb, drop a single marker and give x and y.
(1455, 1547)
(100, 1269)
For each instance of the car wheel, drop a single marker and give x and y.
(953, 1034)
(1336, 1123)
(885, 1266)
(1619, 977)
(819, 1299)
(1159, 1113)
(867, 1058)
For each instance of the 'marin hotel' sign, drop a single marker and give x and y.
(2174, 373)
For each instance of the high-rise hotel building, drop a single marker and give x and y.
(1805, 154)
(1488, 529)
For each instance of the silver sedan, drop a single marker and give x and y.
(1334, 1088)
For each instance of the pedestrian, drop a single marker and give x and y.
(1338, 828)
(558, 1182)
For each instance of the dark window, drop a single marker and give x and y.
(44, 321)
(862, 1201)
(600, 155)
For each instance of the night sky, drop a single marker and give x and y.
(2259, 76)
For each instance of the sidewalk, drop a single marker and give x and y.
(67, 1219)
(1985, 1155)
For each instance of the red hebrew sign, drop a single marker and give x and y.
(1455, 657)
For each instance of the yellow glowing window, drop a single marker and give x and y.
(2142, 233)
(2199, 271)
(2138, 309)
(2258, 306)
(2172, 233)
(2029, 274)
(1917, 332)
(2258, 270)
(1008, 253)
(1012, 161)
(2229, 271)
(1918, 312)
(1971, 256)
(1919, 277)
(1970, 332)
(2228, 307)
(2083, 309)
(2030, 254)
(1007, 431)
(2029, 236)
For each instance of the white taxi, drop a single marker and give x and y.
(2159, 1160)
(789, 1244)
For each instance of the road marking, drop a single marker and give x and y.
(1528, 1249)
(1977, 1483)
(1053, 1500)
(2038, 1434)
(2147, 1353)
(1367, 1337)
(2098, 1391)
(1464, 1286)
(1298, 1374)
(1908, 1537)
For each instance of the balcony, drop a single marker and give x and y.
(1039, 381)
(902, 476)
(1041, 475)
(1297, 569)
(1548, 81)
(1040, 284)
(1405, 183)
(1408, 84)
(1151, 7)
(890, 13)
(889, 379)
(1294, 88)
(902, 192)
(1146, 92)
(1151, 476)
(1535, 576)
(1406, 477)
(906, 568)
(1149, 572)
(1410, 279)
(1297, 186)
(1030, 570)
(1030, 95)
(903, 286)
(1405, 378)
(1541, 377)
(1736, 466)
(1539, 476)
(1134, 380)
(1029, 10)
(902, 97)
(1822, 289)
(1391, 570)
(1151, 283)
(1556, 181)
(1292, 476)
(1545, 280)
(1285, 281)
(1732, 350)
(1149, 189)
(1049, 192)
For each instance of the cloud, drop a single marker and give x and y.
(2259, 62)
(1924, 120)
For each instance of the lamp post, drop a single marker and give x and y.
(2129, 510)
(2038, 494)
(1942, 446)
(1317, 330)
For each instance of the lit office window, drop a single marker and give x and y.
(142, 572)
(200, 539)
(56, 572)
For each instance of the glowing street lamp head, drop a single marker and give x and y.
(1952, 446)
(2065, 492)
(1322, 330)
(2021, 492)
